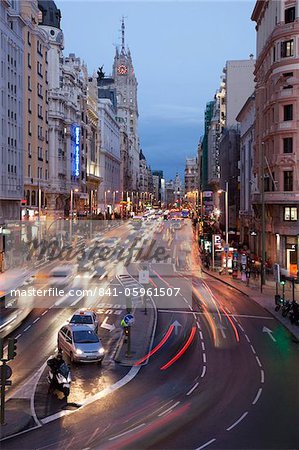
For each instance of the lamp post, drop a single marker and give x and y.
(71, 211)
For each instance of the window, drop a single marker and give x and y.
(274, 53)
(288, 112)
(29, 83)
(29, 171)
(29, 105)
(288, 180)
(288, 145)
(29, 60)
(290, 214)
(287, 49)
(29, 127)
(289, 14)
(28, 38)
(29, 150)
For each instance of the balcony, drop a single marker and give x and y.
(280, 198)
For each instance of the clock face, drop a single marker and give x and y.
(122, 69)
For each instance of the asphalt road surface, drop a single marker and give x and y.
(224, 376)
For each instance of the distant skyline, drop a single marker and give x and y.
(179, 49)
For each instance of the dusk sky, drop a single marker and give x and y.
(179, 49)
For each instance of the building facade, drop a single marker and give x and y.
(277, 132)
(11, 110)
(36, 133)
(246, 118)
(191, 180)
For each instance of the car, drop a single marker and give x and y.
(62, 275)
(85, 317)
(80, 343)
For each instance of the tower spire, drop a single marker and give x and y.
(123, 49)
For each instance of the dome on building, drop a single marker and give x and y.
(51, 14)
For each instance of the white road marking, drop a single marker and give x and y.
(120, 383)
(169, 409)
(204, 357)
(204, 369)
(206, 444)
(237, 421)
(262, 376)
(252, 348)
(257, 396)
(247, 338)
(19, 335)
(45, 312)
(203, 346)
(126, 432)
(77, 300)
(36, 320)
(192, 389)
(258, 361)
(201, 335)
(198, 326)
(27, 328)
(246, 316)
(240, 326)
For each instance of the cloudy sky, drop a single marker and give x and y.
(178, 48)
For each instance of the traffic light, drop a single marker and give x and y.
(126, 331)
(12, 348)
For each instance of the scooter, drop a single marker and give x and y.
(288, 305)
(294, 314)
(60, 380)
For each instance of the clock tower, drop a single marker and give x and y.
(127, 108)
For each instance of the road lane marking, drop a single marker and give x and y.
(198, 326)
(252, 348)
(169, 409)
(240, 326)
(206, 444)
(36, 320)
(258, 361)
(192, 389)
(201, 335)
(19, 335)
(246, 316)
(77, 300)
(204, 369)
(237, 421)
(203, 346)
(126, 432)
(204, 357)
(262, 376)
(247, 338)
(257, 396)
(45, 312)
(27, 328)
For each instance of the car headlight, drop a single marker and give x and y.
(101, 351)
(78, 351)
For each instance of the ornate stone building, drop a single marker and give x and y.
(277, 128)
(127, 110)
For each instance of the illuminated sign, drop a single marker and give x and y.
(75, 137)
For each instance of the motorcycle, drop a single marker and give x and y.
(60, 379)
(279, 304)
(286, 308)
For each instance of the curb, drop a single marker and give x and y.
(295, 338)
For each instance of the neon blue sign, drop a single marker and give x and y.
(75, 137)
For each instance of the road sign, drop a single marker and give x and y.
(7, 371)
(143, 276)
(129, 319)
(226, 249)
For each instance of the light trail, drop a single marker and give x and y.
(182, 351)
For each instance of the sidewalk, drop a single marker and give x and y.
(142, 334)
(265, 299)
(17, 417)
